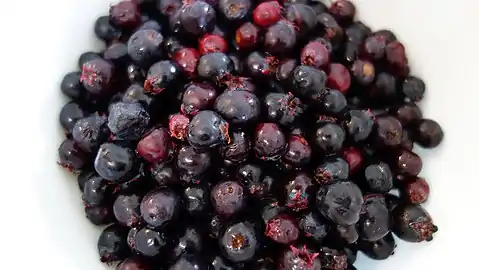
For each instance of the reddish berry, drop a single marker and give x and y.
(125, 14)
(247, 36)
(187, 58)
(363, 72)
(97, 75)
(267, 14)
(417, 191)
(156, 146)
(354, 158)
(339, 78)
(343, 11)
(396, 59)
(315, 54)
(282, 229)
(212, 43)
(299, 258)
(374, 47)
(178, 126)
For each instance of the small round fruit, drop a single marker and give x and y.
(208, 129)
(97, 75)
(228, 198)
(282, 229)
(374, 220)
(239, 242)
(71, 156)
(340, 202)
(269, 142)
(149, 243)
(127, 209)
(428, 133)
(156, 146)
(160, 207)
(412, 223)
(113, 161)
(299, 257)
(112, 245)
(238, 107)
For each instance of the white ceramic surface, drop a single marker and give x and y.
(42, 221)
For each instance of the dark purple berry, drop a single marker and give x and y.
(127, 209)
(428, 133)
(189, 262)
(417, 190)
(343, 10)
(282, 229)
(133, 263)
(285, 109)
(117, 53)
(298, 153)
(197, 18)
(363, 72)
(340, 202)
(125, 14)
(164, 174)
(156, 146)
(332, 169)
(413, 224)
(128, 121)
(197, 96)
(197, 199)
(97, 75)
(298, 192)
(215, 66)
(309, 82)
(69, 115)
(408, 114)
(99, 215)
(234, 10)
(160, 207)
(238, 149)
(71, 156)
(90, 132)
(162, 76)
(113, 162)
(413, 88)
(280, 37)
(329, 137)
(105, 30)
(149, 243)
(303, 18)
(238, 107)
(379, 250)
(178, 126)
(269, 141)
(388, 131)
(374, 220)
(144, 47)
(313, 226)
(208, 129)
(333, 259)
(379, 177)
(192, 164)
(359, 124)
(71, 85)
(239, 242)
(228, 198)
(112, 245)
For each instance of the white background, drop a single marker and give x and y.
(41, 221)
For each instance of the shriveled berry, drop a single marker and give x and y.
(212, 43)
(97, 75)
(269, 141)
(298, 192)
(178, 126)
(228, 198)
(128, 121)
(428, 133)
(239, 242)
(340, 202)
(238, 149)
(412, 223)
(127, 209)
(417, 190)
(238, 107)
(71, 156)
(332, 169)
(339, 77)
(299, 257)
(187, 59)
(156, 146)
(282, 229)
(285, 109)
(313, 226)
(379, 177)
(160, 207)
(112, 244)
(125, 14)
(267, 14)
(161, 76)
(208, 129)
(114, 162)
(90, 132)
(315, 54)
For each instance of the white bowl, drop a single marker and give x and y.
(43, 223)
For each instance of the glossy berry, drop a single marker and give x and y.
(343, 10)
(127, 209)
(112, 244)
(128, 121)
(149, 243)
(299, 257)
(160, 207)
(374, 220)
(358, 124)
(428, 133)
(234, 10)
(164, 174)
(187, 59)
(113, 162)
(105, 30)
(298, 192)
(408, 114)
(313, 226)
(298, 153)
(71, 156)
(156, 146)
(96, 191)
(412, 223)
(207, 129)
(238, 149)
(71, 85)
(239, 242)
(125, 14)
(331, 29)
(303, 18)
(396, 60)
(315, 54)
(258, 65)
(135, 93)
(284, 70)
(238, 107)
(192, 164)
(284, 109)
(69, 115)
(144, 46)
(339, 77)
(388, 131)
(84, 176)
(135, 73)
(247, 36)
(178, 126)
(215, 66)
(161, 76)
(212, 43)
(280, 37)
(417, 191)
(196, 97)
(197, 199)
(189, 262)
(379, 250)
(282, 229)
(197, 18)
(269, 141)
(405, 162)
(97, 75)
(253, 178)
(99, 215)
(329, 137)
(332, 169)
(363, 72)
(340, 202)
(334, 102)
(133, 263)
(309, 82)
(379, 177)
(413, 88)
(267, 14)
(90, 132)
(190, 241)
(117, 53)
(228, 198)
(332, 258)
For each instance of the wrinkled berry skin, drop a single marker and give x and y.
(298, 192)
(144, 47)
(178, 126)
(197, 200)
(191, 164)
(340, 202)
(332, 169)
(378, 177)
(197, 96)
(161, 76)
(215, 66)
(156, 146)
(313, 226)
(238, 107)
(97, 75)
(197, 18)
(90, 132)
(160, 207)
(374, 220)
(113, 162)
(239, 242)
(284, 109)
(269, 142)
(128, 121)
(228, 198)
(208, 129)
(417, 190)
(299, 258)
(412, 223)
(379, 250)
(71, 156)
(237, 151)
(282, 229)
(112, 244)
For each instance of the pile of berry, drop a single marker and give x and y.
(232, 134)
